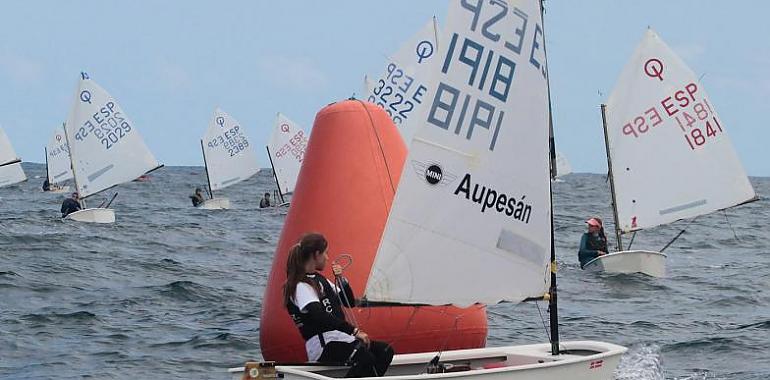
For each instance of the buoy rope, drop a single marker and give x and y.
(379, 142)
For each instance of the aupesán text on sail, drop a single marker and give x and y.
(491, 199)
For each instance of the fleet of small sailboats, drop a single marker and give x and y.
(228, 157)
(661, 127)
(105, 148)
(472, 104)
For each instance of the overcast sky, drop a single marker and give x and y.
(170, 63)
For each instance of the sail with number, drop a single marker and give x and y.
(474, 200)
(106, 148)
(671, 155)
(13, 173)
(404, 87)
(58, 158)
(287, 148)
(228, 155)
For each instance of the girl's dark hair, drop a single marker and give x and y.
(299, 255)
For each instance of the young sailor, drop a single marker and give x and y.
(593, 243)
(197, 198)
(70, 205)
(315, 306)
(265, 201)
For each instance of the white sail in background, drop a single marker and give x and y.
(58, 157)
(9, 174)
(671, 155)
(471, 220)
(562, 165)
(230, 158)
(404, 86)
(105, 146)
(287, 149)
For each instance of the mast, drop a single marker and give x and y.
(206, 166)
(72, 166)
(552, 292)
(612, 181)
(47, 173)
(275, 175)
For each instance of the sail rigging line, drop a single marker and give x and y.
(379, 143)
(339, 281)
(730, 224)
(630, 243)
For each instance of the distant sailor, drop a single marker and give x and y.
(46, 185)
(265, 202)
(593, 243)
(315, 306)
(197, 198)
(70, 205)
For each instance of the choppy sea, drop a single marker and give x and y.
(170, 291)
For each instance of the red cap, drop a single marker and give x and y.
(594, 222)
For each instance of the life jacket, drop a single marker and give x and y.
(329, 301)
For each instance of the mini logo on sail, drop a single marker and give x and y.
(433, 173)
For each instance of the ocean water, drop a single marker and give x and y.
(169, 291)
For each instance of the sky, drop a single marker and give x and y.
(171, 63)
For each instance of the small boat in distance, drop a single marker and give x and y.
(10, 165)
(57, 163)
(668, 154)
(286, 150)
(228, 158)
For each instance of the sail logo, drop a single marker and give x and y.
(433, 173)
(424, 50)
(285, 128)
(654, 68)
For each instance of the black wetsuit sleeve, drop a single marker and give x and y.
(584, 254)
(326, 321)
(346, 293)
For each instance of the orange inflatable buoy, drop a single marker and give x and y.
(345, 188)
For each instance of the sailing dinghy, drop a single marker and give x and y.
(57, 162)
(10, 165)
(286, 150)
(474, 202)
(105, 149)
(227, 157)
(562, 166)
(668, 153)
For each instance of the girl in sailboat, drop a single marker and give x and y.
(315, 306)
(593, 243)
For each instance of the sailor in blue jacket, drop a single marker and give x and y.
(593, 243)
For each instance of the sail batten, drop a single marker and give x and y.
(105, 146)
(672, 158)
(229, 156)
(471, 220)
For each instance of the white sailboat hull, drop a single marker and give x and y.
(585, 360)
(63, 189)
(215, 204)
(650, 263)
(93, 215)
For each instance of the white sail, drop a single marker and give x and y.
(671, 155)
(471, 220)
(562, 165)
(58, 157)
(287, 149)
(13, 173)
(106, 148)
(404, 86)
(230, 158)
